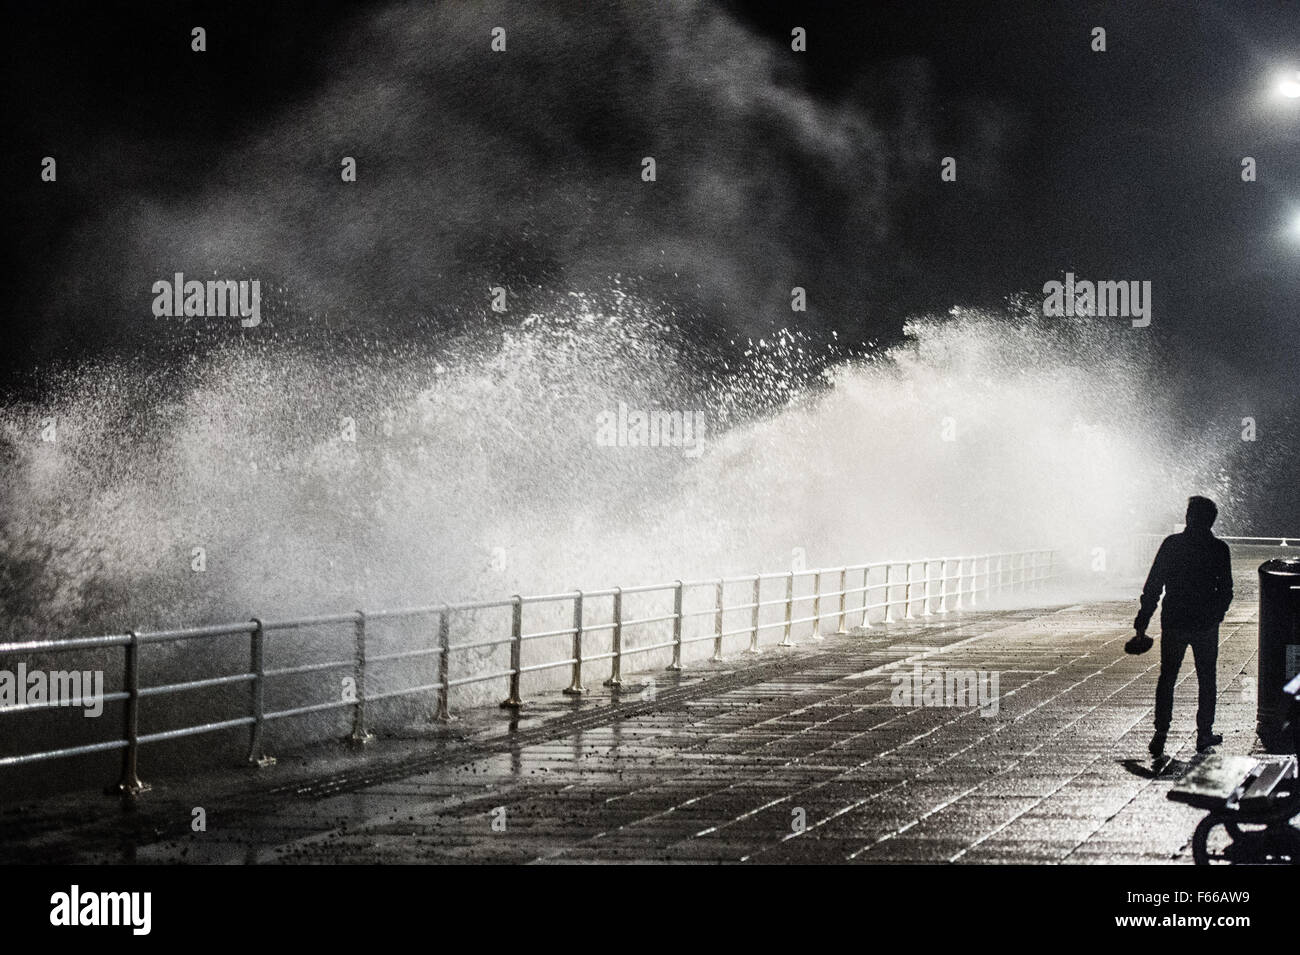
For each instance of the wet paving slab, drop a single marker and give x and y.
(793, 756)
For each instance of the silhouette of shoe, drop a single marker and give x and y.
(1157, 745)
(1205, 741)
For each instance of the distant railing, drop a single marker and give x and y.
(909, 586)
(1144, 546)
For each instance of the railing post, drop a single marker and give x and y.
(943, 584)
(677, 626)
(130, 784)
(512, 700)
(443, 714)
(360, 735)
(907, 593)
(844, 582)
(575, 688)
(257, 660)
(889, 601)
(1000, 579)
(789, 609)
(616, 639)
(866, 597)
(817, 606)
(753, 620)
(717, 622)
(925, 590)
(960, 563)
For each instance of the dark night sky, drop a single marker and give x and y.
(1123, 164)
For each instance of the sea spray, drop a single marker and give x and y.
(281, 482)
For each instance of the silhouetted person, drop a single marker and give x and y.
(1194, 570)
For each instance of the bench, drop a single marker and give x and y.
(1245, 790)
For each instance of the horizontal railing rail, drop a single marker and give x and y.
(911, 587)
(1264, 541)
(1143, 547)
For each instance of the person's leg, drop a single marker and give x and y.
(1205, 652)
(1173, 645)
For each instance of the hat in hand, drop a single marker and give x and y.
(1138, 644)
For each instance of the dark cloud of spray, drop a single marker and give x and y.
(523, 169)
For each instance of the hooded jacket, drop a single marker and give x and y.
(1194, 569)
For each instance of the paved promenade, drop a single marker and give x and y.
(799, 755)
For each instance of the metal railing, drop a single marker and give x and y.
(913, 587)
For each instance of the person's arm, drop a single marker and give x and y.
(1223, 580)
(1152, 589)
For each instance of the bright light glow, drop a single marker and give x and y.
(1290, 86)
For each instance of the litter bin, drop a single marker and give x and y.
(1279, 645)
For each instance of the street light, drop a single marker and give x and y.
(1289, 86)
